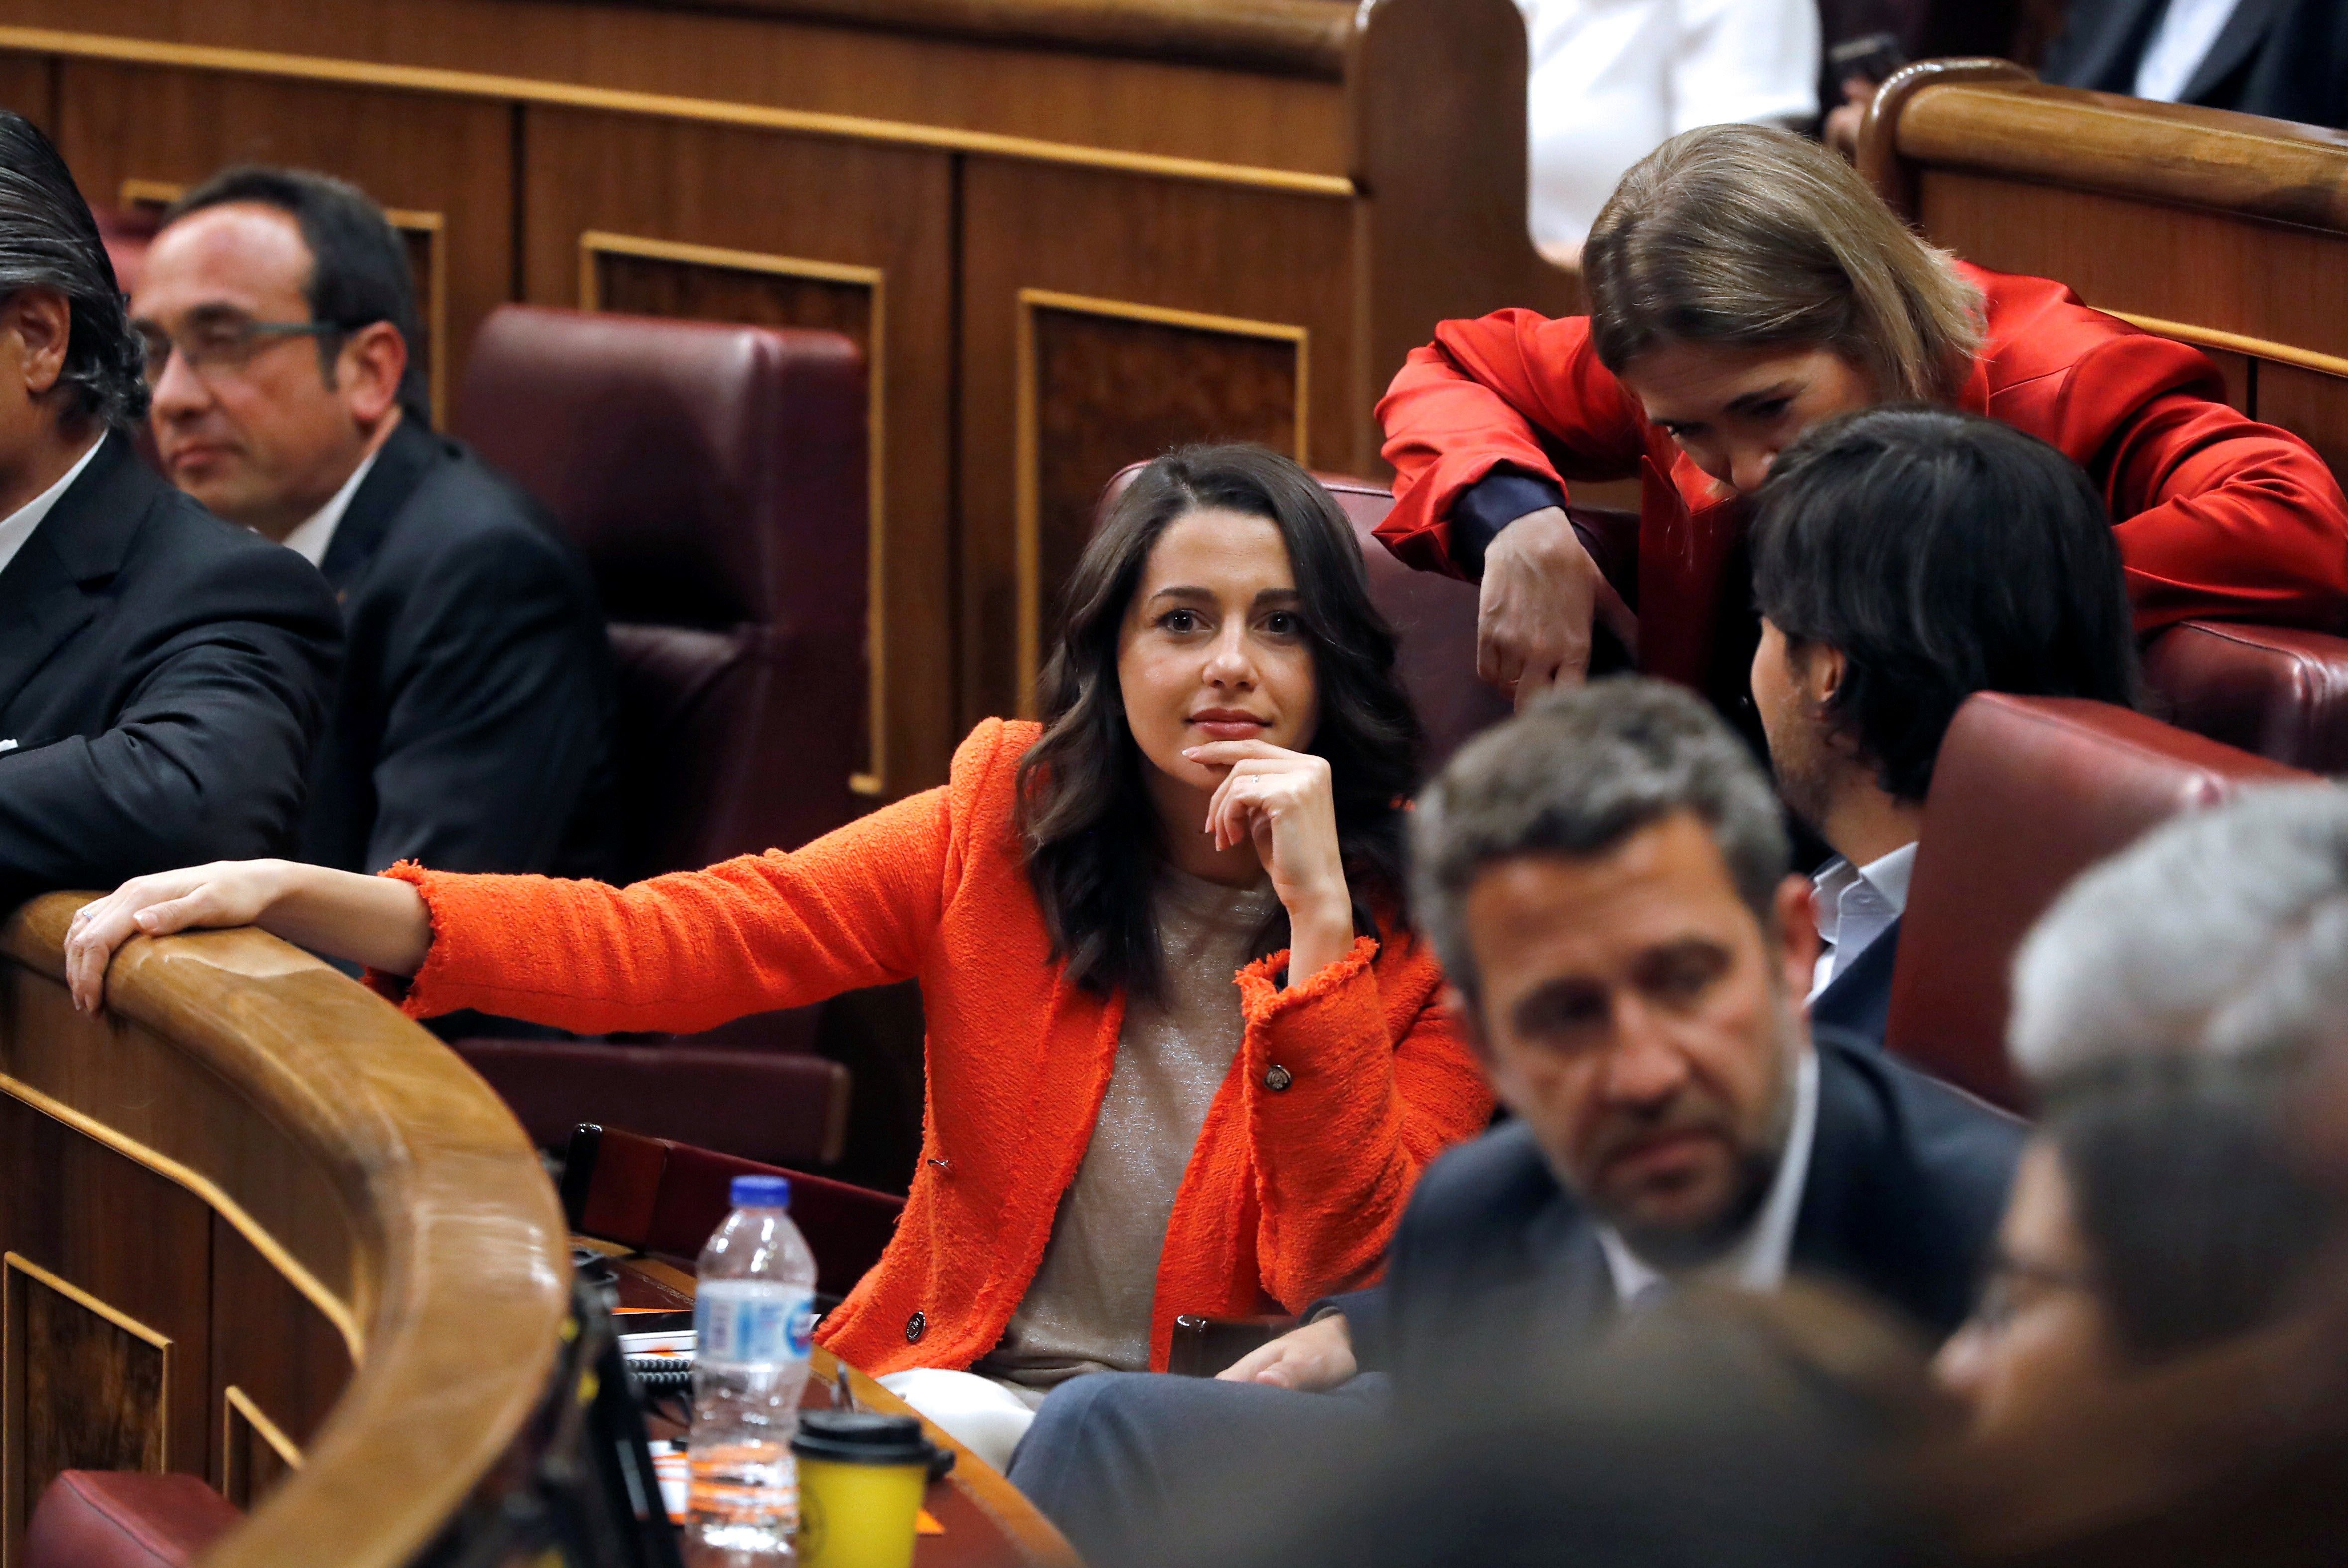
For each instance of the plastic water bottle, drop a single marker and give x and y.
(754, 1318)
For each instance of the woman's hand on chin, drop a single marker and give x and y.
(225, 893)
(1282, 801)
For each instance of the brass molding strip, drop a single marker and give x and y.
(1028, 416)
(296, 1274)
(2235, 343)
(235, 1402)
(593, 243)
(669, 105)
(18, 1508)
(433, 226)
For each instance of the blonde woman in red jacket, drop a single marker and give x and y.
(1183, 1056)
(1747, 285)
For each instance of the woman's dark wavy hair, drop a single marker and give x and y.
(1091, 836)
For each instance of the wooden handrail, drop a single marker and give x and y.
(2177, 154)
(1301, 37)
(364, 1160)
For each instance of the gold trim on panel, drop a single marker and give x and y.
(1027, 414)
(136, 192)
(273, 1252)
(623, 101)
(593, 243)
(235, 1402)
(2235, 343)
(19, 1507)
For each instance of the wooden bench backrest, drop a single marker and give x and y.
(2224, 230)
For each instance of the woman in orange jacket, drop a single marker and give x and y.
(1182, 1056)
(1745, 286)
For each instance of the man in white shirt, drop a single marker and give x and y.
(1609, 81)
(2286, 59)
(1904, 559)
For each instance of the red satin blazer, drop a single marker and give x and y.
(2217, 515)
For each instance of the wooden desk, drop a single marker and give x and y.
(988, 1524)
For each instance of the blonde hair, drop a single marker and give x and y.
(1748, 236)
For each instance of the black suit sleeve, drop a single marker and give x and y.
(206, 760)
(497, 712)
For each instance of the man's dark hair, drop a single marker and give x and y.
(49, 240)
(1943, 554)
(358, 265)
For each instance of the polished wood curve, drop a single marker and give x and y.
(1307, 37)
(340, 1242)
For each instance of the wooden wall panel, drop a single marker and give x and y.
(733, 225)
(1261, 261)
(104, 1320)
(1145, 105)
(445, 165)
(277, 1367)
(2208, 269)
(28, 85)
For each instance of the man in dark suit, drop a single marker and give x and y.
(1904, 559)
(1606, 878)
(162, 676)
(472, 731)
(2287, 59)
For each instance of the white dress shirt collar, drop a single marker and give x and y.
(311, 537)
(1758, 1260)
(2188, 30)
(18, 525)
(1856, 905)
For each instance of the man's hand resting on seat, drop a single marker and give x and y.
(1542, 594)
(1309, 1359)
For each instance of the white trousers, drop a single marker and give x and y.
(983, 1415)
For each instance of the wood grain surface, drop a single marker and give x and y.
(404, 1216)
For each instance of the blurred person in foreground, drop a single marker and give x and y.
(2154, 1374)
(162, 676)
(1606, 879)
(1904, 559)
(473, 728)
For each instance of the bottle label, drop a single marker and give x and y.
(752, 1323)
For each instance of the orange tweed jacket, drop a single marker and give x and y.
(1289, 1195)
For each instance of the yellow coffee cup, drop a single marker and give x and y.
(861, 1478)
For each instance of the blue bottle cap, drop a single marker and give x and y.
(762, 1192)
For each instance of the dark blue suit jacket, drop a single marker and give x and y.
(2287, 59)
(1858, 1001)
(1907, 1181)
(473, 727)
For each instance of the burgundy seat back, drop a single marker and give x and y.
(715, 478)
(663, 1196)
(1434, 616)
(2275, 690)
(124, 1519)
(2028, 792)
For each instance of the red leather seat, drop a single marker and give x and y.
(124, 1519)
(2028, 793)
(715, 478)
(658, 1195)
(2275, 690)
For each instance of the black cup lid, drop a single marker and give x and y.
(861, 1438)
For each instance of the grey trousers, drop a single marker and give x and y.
(1128, 1464)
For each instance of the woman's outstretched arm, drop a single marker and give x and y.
(373, 921)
